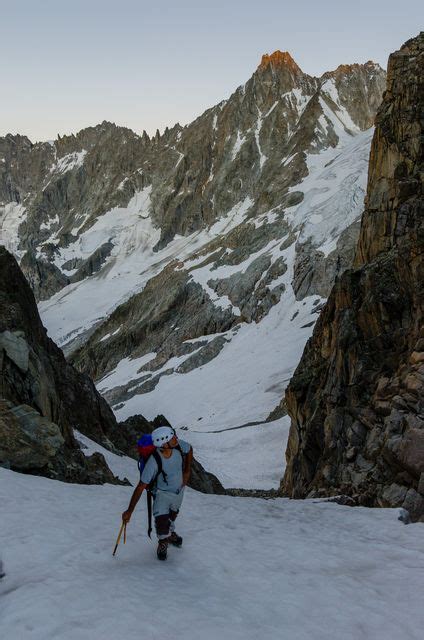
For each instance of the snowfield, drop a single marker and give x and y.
(249, 568)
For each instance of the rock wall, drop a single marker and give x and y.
(43, 398)
(356, 400)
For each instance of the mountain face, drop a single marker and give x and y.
(356, 400)
(158, 257)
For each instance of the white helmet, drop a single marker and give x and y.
(162, 435)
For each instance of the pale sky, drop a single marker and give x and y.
(68, 64)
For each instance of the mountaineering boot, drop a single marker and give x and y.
(175, 539)
(162, 549)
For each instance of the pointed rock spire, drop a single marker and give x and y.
(279, 59)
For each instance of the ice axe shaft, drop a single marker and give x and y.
(122, 529)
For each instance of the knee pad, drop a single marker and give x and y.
(173, 514)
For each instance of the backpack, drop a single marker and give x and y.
(146, 448)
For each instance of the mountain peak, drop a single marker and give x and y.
(278, 59)
(355, 67)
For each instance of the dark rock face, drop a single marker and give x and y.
(34, 370)
(44, 277)
(44, 397)
(39, 439)
(30, 443)
(356, 399)
(24, 166)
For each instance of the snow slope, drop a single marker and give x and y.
(12, 215)
(79, 306)
(248, 569)
(244, 383)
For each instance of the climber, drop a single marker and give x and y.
(165, 474)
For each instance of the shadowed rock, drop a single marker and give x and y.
(356, 399)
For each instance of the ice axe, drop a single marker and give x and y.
(122, 529)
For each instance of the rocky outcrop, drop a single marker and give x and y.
(34, 370)
(358, 89)
(44, 277)
(39, 439)
(30, 443)
(314, 272)
(23, 167)
(43, 397)
(356, 399)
